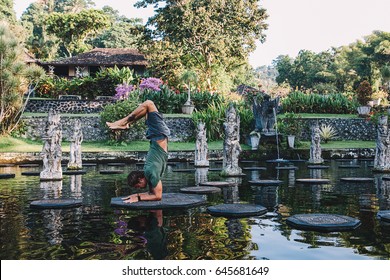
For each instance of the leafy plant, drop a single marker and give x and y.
(327, 132)
(119, 110)
(290, 124)
(364, 92)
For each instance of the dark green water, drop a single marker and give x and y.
(98, 231)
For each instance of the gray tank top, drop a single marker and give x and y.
(157, 128)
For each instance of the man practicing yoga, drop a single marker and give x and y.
(156, 159)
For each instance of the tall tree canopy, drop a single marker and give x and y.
(123, 33)
(213, 36)
(74, 28)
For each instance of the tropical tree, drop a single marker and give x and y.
(7, 12)
(123, 33)
(74, 29)
(16, 78)
(211, 34)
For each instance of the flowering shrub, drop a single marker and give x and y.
(151, 83)
(123, 91)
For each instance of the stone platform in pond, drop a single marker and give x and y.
(31, 173)
(184, 170)
(116, 164)
(323, 222)
(28, 165)
(313, 181)
(200, 190)
(7, 176)
(74, 172)
(254, 168)
(357, 179)
(384, 215)
(266, 182)
(168, 201)
(56, 203)
(286, 168)
(350, 166)
(237, 210)
(217, 184)
(386, 178)
(111, 171)
(318, 166)
(280, 160)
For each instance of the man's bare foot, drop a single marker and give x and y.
(116, 126)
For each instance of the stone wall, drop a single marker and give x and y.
(66, 106)
(182, 129)
(347, 129)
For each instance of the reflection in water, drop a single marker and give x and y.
(383, 192)
(267, 196)
(51, 189)
(75, 186)
(151, 230)
(97, 231)
(201, 175)
(230, 194)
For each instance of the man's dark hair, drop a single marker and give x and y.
(134, 177)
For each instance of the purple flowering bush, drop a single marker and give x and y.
(151, 83)
(123, 91)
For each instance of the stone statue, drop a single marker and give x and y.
(201, 148)
(264, 114)
(52, 151)
(382, 151)
(75, 161)
(231, 144)
(315, 147)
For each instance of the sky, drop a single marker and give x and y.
(294, 25)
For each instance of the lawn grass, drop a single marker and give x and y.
(324, 116)
(341, 145)
(10, 144)
(28, 114)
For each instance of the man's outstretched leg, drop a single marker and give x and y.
(138, 113)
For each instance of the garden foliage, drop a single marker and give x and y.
(337, 103)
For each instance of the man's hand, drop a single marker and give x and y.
(131, 199)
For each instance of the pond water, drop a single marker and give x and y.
(98, 231)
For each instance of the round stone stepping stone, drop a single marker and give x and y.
(286, 168)
(217, 184)
(386, 178)
(232, 175)
(140, 163)
(280, 160)
(169, 200)
(237, 210)
(28, 165)
(317, 166)
(252, 168)
(323, 222)
(384, 215)
(357, 179)
(56, 203)
(297, 160)
(6, 165)
(89, 164)
(116, 164)
(7, 176)
(74, 172)
(32, 173)
(249, 161)
(183, 170)
(313, 181)
(215, 169)
(266, 182)
(111, 171)
(200, 190)
(350, 166)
